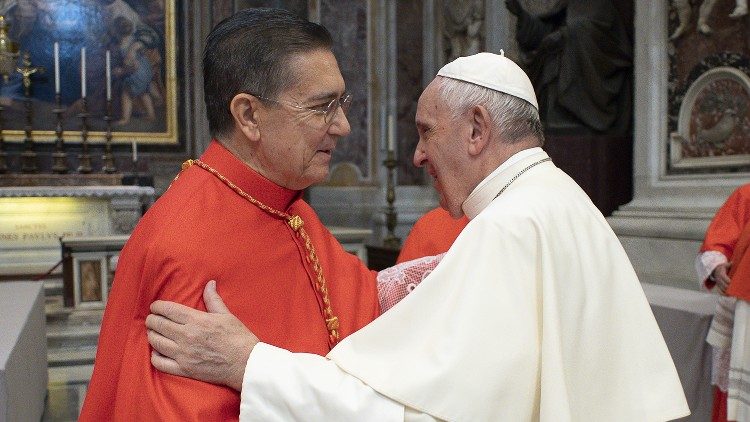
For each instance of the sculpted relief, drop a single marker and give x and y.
(463, 27)
(709, 87)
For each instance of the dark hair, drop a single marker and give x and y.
(249, 52)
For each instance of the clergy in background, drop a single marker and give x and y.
(432, 234)
(535, 313)
(724, 265)
(276, 107)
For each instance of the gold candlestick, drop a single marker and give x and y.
(391, 217)
(8, 51)
(84, 165)
(3, 154)
(108, 158)
(59, 158)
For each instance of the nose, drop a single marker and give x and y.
(340, 124)
(419, 155)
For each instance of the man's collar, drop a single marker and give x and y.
(486, 190)
(247, 179)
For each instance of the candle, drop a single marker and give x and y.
(391, 132)
(135, 151)
(83, 72)
(109, 78)
(57, 67)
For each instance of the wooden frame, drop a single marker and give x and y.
(153, 28)
(90, 279)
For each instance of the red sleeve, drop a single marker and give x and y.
(124, 385)
(727, 224)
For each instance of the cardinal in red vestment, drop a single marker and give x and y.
(237, 216)
(725, 249)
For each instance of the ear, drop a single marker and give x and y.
(481, 127)
(244, 110)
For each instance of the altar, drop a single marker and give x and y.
(33, 219)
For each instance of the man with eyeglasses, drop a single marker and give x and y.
(534, 314)
(276, 106)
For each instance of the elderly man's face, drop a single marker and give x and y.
(441, 149)
(296, 145)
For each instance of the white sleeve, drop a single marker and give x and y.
(282, 386)
(706, 263)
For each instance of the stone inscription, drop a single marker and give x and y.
(35, 232)
(39, 223)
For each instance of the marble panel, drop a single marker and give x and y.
(409, 71)
(347, 22)
(33, 219)
(701, 43)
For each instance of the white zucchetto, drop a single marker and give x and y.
(493, 71)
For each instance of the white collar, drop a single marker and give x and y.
(486, 190)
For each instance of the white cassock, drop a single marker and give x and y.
(535, 313)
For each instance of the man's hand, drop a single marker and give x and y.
(209, 346)
(720, 276)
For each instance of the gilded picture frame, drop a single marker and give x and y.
(141, 38)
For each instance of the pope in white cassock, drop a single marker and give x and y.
(535, 312)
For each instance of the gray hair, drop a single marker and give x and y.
(514, 118)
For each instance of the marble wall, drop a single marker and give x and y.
(709, 90)
(348, 24)
(663, 226)
(409, 67)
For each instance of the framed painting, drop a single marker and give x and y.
(90, 279)
(141, 40)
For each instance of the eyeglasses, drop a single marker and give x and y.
(328, 110)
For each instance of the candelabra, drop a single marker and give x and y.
(3, 154)
(84, 158)
(391, 218)
(136, 180)
(108, 158)
(60, 159)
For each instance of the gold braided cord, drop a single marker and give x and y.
(296, 223)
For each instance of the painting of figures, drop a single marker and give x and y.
(140, 38)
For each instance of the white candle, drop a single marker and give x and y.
(391, 132)
(109, 78)
(135, 151)
(83, 72)
(57, 67)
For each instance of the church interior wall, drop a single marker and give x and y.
(679, 181)
(388, 50)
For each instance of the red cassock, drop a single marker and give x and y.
(432, 234)
(200, 230)
(724, 235)
(729, 233)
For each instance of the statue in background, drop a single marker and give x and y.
(685, 11)
(462, 27)
(579, 58)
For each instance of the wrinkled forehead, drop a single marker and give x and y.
(430, 99)
(317, 68)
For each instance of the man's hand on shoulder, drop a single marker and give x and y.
(211, 346)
